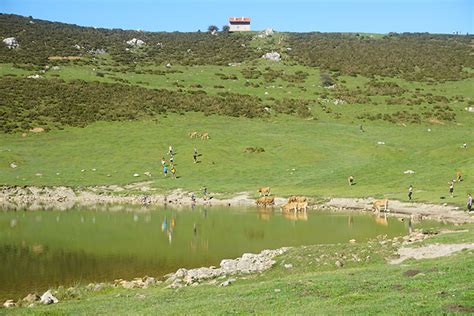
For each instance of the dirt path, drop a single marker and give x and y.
(430, 251)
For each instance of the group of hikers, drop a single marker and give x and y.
(172, 169)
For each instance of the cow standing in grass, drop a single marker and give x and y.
(265, 191)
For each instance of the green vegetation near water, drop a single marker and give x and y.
(313, 285)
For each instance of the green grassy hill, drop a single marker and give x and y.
(319, 113)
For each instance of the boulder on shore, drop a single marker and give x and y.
(48, 298)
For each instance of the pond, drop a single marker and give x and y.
(43, 249)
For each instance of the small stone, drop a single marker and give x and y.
(339, 264)
(9, 304)
(13, 165)
(136, 175)
(352, 241)
(228, 282)
(277, 290)
(288, 266)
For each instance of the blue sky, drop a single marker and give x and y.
(377, 16)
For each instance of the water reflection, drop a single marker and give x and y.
(381, 219)
(298, 216)
(105, 246)
(264, 213)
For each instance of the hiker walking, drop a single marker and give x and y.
(469, 202)
(451, 188)
(173, 171)
(170, 150)
(163, 161)
(204, 193)
(195, 155)
(165, 170)
(410, 192)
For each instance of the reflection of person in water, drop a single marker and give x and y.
(164, 225)
(170, 235)
(195, 229)
(173, 222)
(350, 221)
(205, 212)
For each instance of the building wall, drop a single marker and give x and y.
(239, 27)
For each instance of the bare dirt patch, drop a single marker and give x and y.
(430, 251)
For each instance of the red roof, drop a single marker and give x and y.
(242, 19)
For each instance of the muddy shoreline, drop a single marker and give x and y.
(63, 198)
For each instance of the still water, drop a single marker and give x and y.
(43, 249)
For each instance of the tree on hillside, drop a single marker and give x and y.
(212, 29)
(225, 29)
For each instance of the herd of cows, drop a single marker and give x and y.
(300, 203)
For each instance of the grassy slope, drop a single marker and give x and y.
(313, 285)
(323, 154)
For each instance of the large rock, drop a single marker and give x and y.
(274, 56)
(135, 42)
(48, 298)
(11, 42)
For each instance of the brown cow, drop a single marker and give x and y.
(265, 201)
(302, 206)
(299, 199)
(293, 206)
(193, 134)
(377, 205)
(205, 135)
(264, 190)
(350, 180)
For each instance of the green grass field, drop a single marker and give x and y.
(311, 157)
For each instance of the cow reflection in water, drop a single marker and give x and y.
(295, 216)
(264, 213)
(381, 219)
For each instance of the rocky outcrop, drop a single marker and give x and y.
(248, 263)
(135, 42)
(273, 56)
(266, 33)
(137, 283)
(11, 42)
